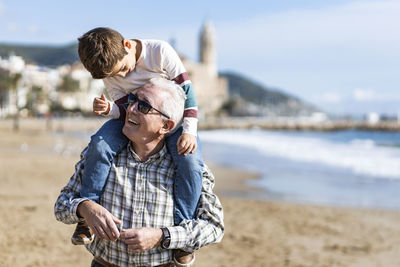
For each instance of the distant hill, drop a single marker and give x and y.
(51, 56)
(264, 100)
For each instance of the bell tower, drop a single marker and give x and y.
(208, 55)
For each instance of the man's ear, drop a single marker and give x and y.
(167, 126)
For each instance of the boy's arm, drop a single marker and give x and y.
(173, 65)
(117, 109)
(190, 114)
(114, 110)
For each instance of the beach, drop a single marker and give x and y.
(37, 161)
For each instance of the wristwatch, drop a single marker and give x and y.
(166, 238)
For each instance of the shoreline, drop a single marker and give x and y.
(35, 164)
(279, 124)
(293, 124)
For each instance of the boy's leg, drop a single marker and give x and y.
(187, 188)
(188, 178)
(103, 147)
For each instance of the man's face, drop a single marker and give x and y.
(141, 127)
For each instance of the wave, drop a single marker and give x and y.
(361, 156)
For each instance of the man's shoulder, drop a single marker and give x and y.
(208, 175)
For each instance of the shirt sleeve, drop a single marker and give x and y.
(69, 198)
(119, 96)
(208, 225)
(173, 65)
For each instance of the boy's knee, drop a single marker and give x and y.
(99, 146)
(192, 163)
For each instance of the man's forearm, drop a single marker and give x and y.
(69, 199)
(193, 235)
(207, 227)
(83, 208)
(65, 209)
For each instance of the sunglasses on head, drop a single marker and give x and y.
(143, 106)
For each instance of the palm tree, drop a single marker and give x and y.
(4, 86)
(9, 82)
(68, 85)
(14, 80)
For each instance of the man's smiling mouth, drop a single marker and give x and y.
(133, 122)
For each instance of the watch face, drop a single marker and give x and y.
(165, 242)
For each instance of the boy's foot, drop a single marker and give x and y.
(83, 234)
(183, 258)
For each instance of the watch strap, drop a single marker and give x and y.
(166, 238)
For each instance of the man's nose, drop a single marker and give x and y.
(133, 107)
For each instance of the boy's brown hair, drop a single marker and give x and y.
(99, 50)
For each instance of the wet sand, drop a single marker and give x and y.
(35, 164)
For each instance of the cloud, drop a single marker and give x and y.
(369, 95)
(331, 97)
(12, 27)
(362, 95)
(33, 29)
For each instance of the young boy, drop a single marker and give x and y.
(125, 65)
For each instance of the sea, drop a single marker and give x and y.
(342, 168)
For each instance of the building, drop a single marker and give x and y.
(210, 89)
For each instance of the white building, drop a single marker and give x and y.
(373, 118)
(37, 87)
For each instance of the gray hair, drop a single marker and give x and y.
(173, 103)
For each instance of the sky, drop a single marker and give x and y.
(342, 56)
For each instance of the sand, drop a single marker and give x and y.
(35, 164)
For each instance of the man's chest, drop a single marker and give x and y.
(140, 195)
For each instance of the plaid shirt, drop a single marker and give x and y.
(141, 195)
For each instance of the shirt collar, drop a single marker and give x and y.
(159, 155)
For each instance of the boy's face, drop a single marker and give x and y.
(126, 64)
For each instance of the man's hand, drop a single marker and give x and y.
(100, 220)
(101, 106)
(187, 143)
(141, 239)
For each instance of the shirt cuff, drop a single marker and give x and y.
(179, 237)
(190, 125)
(74, 209)
(114, 111)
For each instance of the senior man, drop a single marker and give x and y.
(138, 197)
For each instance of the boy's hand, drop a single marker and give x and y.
(101, 106)
(187, 143)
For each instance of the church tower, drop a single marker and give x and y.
(208, 55)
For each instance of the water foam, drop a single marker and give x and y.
(361, 156)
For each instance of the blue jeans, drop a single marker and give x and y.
(109, 141)
(102, 149)
(188, 178)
